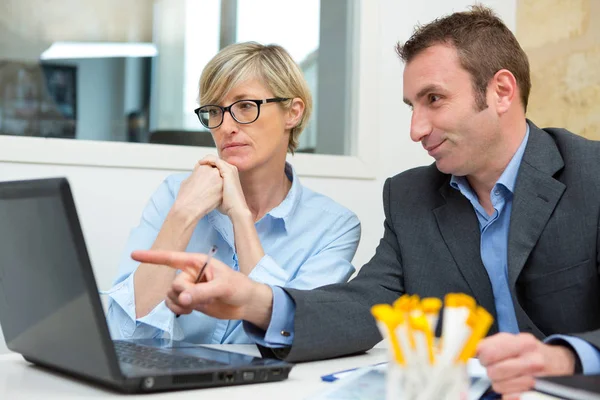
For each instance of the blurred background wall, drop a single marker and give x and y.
(562, 40)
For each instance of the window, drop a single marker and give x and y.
(127, 70)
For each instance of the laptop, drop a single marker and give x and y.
(51, 312)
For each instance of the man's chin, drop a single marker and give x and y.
(445, 168)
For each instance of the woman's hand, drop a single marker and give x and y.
(247, 243)
(233, 195)
(200, 193)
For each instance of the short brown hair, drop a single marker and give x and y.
(272, 64)
(484, 45)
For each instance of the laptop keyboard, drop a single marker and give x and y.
(153, 358)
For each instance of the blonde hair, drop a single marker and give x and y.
(272, 64)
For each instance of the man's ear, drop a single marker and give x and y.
(505, 90)
(295, 113)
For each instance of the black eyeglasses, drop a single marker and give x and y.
(243, 111)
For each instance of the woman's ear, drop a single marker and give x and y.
(294, 113)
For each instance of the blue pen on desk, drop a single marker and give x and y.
(211, 253)
(340, 374)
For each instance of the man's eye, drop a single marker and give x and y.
(433, 98)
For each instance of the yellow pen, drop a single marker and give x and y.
(431, 308)
(455, 331)
(387, 321)
(423, 337)
(481, 321)
(404, 306)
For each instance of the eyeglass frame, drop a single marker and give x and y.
(228, 109)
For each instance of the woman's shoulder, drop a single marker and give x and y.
(311, 200)
(173, 181)
(167, 191)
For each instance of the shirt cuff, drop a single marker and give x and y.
(268, 271)
(280, 332)
(161, 317)
(589, 356)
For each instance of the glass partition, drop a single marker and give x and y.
(128, 70)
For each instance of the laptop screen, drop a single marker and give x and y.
(49, 307)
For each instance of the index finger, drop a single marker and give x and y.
(224, 165)
(173, 259)
(209, 159)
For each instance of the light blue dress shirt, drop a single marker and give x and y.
(309, 241)
(494, 252)
(494, 235)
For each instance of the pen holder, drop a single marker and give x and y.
(430, 383)
(422, 366)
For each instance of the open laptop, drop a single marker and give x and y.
(51, 313)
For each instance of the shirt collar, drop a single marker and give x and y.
(287, 206)
(508, 177)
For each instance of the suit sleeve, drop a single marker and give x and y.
(336, 320)
(593, 337)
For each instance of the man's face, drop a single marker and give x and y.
(445, 118)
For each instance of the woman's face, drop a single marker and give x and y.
(264, 141)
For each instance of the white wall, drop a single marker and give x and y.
(110, 200)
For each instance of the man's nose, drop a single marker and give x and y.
(420, 126)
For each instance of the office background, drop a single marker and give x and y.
(112, 181)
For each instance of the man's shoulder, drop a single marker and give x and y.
(576, 150)
(427, 177)
(417, 185)
(568, 142)
(580, 160)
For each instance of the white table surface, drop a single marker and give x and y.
(20, 380)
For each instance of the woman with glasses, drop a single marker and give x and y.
(247, 202)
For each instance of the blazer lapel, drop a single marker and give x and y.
(536, 195)
(459, 227)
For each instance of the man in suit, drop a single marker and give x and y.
(509, 214)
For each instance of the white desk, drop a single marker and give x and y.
(20, 380)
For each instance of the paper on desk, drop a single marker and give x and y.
(368, 383)
(475, 369)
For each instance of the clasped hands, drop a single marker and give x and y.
(213, 184)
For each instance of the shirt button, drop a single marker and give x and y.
(497, 192)
(285, 333)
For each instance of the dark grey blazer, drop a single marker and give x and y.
(431, 245)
